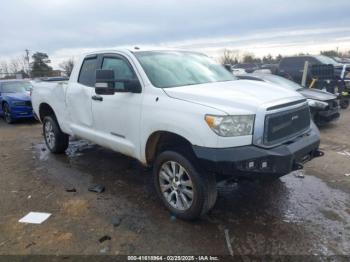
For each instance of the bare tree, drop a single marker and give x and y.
(14, 65)
(4, 68)
(23, 64)
(67, 66)
(229, 57)
(250, 58)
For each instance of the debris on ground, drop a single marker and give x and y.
(29, 197)
(104, 238)
(299, 174)
(116, 221)
(172, 218)
(347, 175)
(228, 242)
(97, 188)
(71, 190)
(34, 218)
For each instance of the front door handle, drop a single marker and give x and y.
(97, 98)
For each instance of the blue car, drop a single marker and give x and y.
(15, 101)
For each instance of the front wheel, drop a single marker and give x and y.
(186, 193)
(7, 114)
(56, 141)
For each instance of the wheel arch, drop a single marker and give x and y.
(3, 102)
(160, 141)
(46, 110)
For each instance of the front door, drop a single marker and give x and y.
(116, 117)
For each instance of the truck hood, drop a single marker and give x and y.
(17, 96)
(240, 96)
(316, 94)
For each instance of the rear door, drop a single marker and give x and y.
(79, 98)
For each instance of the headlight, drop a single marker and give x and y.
(19, 103)
(231, 125)
(317, 104)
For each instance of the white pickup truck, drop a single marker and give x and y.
(183, 114)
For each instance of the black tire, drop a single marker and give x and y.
(344, 103)
(58, 142)
(7, 113)
(203, 186)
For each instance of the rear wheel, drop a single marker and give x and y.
(7, 114)
(56, 141)
(185, 192)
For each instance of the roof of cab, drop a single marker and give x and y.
(135, 49)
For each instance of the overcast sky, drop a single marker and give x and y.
(65, 28)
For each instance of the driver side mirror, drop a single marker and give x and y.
(104, 82)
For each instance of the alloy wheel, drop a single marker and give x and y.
(7, 114)
(176, 185)
(49, 135)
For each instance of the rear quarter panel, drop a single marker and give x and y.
(53, 94)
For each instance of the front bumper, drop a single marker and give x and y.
(328, 115)
(251, 161)
(325, 116)
(21, 112)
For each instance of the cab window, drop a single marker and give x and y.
(87, 75)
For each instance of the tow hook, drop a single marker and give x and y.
(297, 166)
(318, 153)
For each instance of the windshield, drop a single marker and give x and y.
(326, 60)
(16, 87)
(281, 81)
(171, 68)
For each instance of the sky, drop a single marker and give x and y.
(65, 29)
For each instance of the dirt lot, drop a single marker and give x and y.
(293, 215)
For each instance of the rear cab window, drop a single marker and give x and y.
(294, 63)
(87, 75)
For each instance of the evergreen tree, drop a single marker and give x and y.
(40, 65)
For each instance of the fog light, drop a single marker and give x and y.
(251, 164)
(264, 164)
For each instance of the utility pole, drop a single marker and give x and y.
(27, 60)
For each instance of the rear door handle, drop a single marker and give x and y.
(97, 98)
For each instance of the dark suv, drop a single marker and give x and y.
(292, 67)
